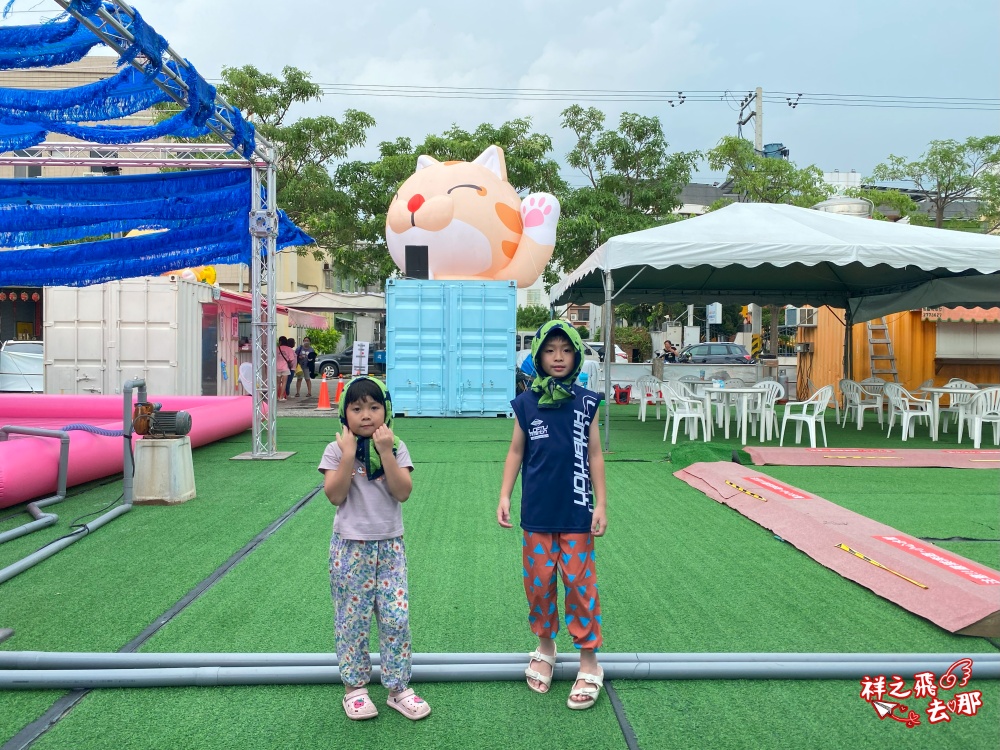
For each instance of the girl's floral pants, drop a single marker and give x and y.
(370, 577)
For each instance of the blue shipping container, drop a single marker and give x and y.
(450, 347)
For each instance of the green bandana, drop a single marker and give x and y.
(553, 391)
(367, 453)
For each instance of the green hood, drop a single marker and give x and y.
(554, 391)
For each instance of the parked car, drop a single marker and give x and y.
(620, 355)
(715, 353)
(334, 365)
(21, 367)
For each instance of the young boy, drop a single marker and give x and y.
(367, 477)
(556, 448)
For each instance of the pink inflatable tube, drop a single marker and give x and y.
(28, 465)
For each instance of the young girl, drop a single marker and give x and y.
(556, 448)
(284, 362)
(367, 477)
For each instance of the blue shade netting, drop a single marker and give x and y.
(202, 217)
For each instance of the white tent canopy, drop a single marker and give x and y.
(777, 254)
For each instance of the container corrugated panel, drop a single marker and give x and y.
(450, 347)
(98, 337)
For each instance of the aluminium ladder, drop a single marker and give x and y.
(883, 364)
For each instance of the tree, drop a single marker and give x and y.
(532, 317)
(633, 182)
(948, 172)
(764, 180)
(367, 188)
(305, 148)
(890, 203)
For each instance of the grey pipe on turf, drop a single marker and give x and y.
(57, 679)
(115, 660)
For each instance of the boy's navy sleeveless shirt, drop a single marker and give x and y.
(556, 495)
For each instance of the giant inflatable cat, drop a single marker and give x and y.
(472, 222)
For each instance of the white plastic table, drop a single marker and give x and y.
(935, 392)
(744, 392)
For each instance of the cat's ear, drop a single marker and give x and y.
(426, 161)
(492, 159)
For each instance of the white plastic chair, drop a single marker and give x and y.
(649, 392)
(246, 378)
(811, 412)
(687, 383)
(908, 407)
(984, 408)
(760, 408)
(834, 401)
(858, 399)
(961, 394)
(681, 408)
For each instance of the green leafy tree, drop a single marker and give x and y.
(325, 341)
(635, 338)
(950, 171)
(367, 188)
(531, 317)
(306, 149)
(632, 182)
(763, 180)
(890, 204)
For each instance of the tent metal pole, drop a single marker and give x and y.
(609, 357)
(848, 343)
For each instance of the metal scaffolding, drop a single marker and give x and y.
(112, 25)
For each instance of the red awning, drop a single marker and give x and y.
(296, 318)
(961, 314)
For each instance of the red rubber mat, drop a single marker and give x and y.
(951, 591)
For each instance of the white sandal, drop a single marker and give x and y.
(545, 679)
(587, 692)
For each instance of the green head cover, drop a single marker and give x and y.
(366, 453)
(554, 391)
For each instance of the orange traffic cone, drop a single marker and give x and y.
(323, 403)
(340, 389)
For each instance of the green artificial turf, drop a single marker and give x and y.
(679, 572)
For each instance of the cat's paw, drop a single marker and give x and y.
(540, 214)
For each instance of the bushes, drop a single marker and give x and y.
(584, 333)
(635, 338)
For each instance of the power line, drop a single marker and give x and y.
(672, 97)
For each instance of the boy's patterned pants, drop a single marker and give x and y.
(573, 556)
(367, 577)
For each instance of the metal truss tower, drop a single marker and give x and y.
(112, 25)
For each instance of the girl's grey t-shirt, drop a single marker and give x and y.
(369, 513)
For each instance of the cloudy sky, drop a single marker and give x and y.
(414, 65)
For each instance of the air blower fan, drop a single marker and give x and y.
(150, 421)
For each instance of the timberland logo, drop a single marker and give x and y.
(538, 430)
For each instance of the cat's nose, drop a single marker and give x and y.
(414, 203)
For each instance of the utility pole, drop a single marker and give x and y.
(758, 121)
(758, 144)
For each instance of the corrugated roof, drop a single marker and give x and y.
(962, 314)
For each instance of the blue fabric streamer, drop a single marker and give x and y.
(205, 214)
(16, 137)
(179, 125)
(147, 42)
(27, 116)
(121, 189)
(45, 54)
(123, 94)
